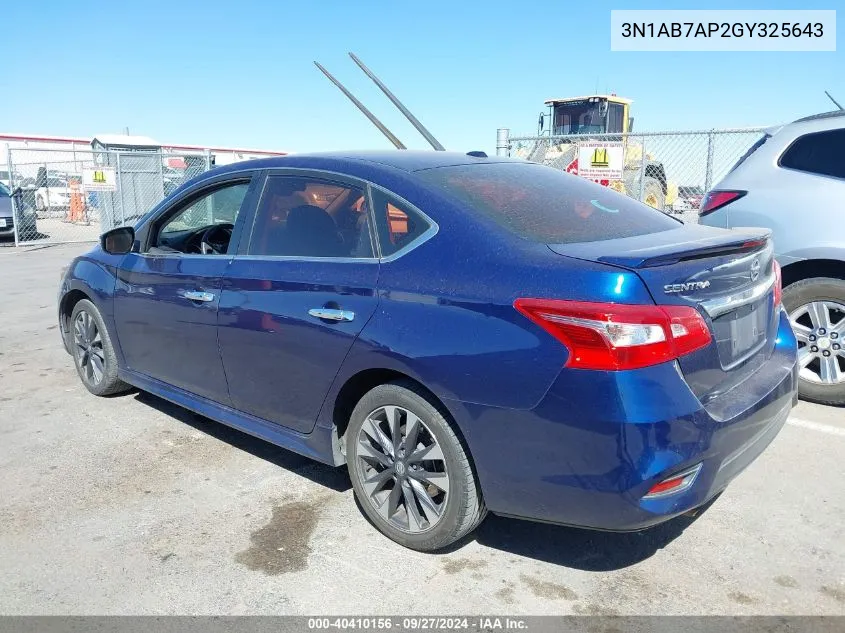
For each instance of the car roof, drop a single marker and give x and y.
(822, 115)
(405, 160)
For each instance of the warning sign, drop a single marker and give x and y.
(99, 179)
(601, 160)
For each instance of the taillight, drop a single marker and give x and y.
(717, 199)
(615, 336)
(778, 282)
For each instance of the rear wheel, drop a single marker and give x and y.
(93, 352)
(816, 309)
(409, 470)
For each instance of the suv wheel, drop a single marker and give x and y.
(816, 309)
(409, 470)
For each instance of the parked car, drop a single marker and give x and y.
(792, 181)
(464, 333)
(689, 199)
(6, 178)
(52, 198)
(27, 224)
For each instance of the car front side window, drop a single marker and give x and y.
(203, 225)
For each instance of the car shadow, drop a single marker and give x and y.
(587, 550)
(329, 476)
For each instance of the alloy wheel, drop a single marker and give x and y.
(88, 345)
(819, 327)
(402, 469)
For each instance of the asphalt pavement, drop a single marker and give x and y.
(131, 505)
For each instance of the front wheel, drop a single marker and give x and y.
(409, 470)
(93, 353)
(816, 310)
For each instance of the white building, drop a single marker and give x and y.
(29, 149)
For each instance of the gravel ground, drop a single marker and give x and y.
(131, 505)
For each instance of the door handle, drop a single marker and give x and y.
(331, 314)
(198, 295)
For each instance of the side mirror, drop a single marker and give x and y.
(118, 241)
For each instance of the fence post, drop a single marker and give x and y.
(118, 177)
(642, 170)
(161, 171)
(502, 142)
(207, 159)
(708, 174)
(11, 190)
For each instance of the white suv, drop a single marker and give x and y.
(792, 181)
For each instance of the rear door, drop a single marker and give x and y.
(296, 296)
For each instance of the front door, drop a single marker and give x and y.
(296, 297)
(167, 296)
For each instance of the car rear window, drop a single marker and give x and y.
(545, 205)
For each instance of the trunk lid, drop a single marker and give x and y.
(727, 275)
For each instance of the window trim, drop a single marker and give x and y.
(291, 172)
(792, 143)
(421, 239)
(345, 180)
(149, 226)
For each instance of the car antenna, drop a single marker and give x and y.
(414, 121)
(835, 102)
(372, 117)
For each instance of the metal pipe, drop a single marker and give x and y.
(414, 121)
(372, 117)
(12, 197)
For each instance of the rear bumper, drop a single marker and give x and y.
(597, 443)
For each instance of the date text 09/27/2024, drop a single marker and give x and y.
(418, 623)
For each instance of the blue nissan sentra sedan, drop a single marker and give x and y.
(467, 334)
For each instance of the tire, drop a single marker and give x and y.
(653, 194)
(92, 348)
(818, 383)
(461, 507)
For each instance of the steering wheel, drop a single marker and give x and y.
(215, 239)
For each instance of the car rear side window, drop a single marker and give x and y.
(545, 205)
(818, 153)
(306, 217)
(398, 224)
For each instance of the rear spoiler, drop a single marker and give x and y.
(428, 136)
(670, 247)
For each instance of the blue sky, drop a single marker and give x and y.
(240, 74)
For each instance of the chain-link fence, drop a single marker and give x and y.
(670, 171)
(61, 196)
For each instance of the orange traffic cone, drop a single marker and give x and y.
(76, 212)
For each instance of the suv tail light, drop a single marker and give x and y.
(716, 199)
(615, 336)
(778, 283)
